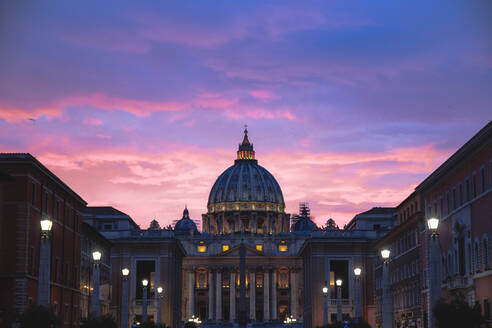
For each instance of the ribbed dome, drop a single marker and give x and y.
(246, 181)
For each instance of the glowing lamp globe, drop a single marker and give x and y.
(433, 223)
(159, 290)
(46, 225)
(339, 282)
(325, 290)
(145, 282)
(96, 255)
(125, 272)
(357, 271)
(385, 254)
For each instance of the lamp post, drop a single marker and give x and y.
(145, 283)
(358, 303)
(339, 300)
(325, 305)
(44, 287)
(386, 297)
(434, 272)
(160, 296)
(124, 298)
(95, 299)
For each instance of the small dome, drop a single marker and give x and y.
(185, 226)
(304, 224)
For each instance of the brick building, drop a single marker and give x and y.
(405, 273)
(34, 193)
(459, 193)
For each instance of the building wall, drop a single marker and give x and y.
(459, 193)
(36, 193)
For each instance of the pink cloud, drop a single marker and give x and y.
(92, 121)
(157, 185)
(262, 94)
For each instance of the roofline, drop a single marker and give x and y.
(97, 233)
(453, 160)
(29, 159)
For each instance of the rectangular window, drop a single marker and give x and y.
(482, 178)
(57, 210)
(31, 260)
(461, 193)
(225, 248)
(55, 276)
(282, 248)
(448, 203)
(441, 206)
(454, 198)
(201, 248)
(467, 189)
(259, 247)
(474, 185)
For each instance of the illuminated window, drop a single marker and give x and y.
(259, 247)
(202, 248)
(282, 248)
(225, 248)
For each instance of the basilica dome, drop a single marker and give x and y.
(246, 185)
(185, 226)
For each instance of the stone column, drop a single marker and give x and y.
(124, 303)
(191, 293)
(358, 304)
(218, 298)
(266, 296)
(274, 294)
(293, 296)
(144, 304)
(387, 306)
(95, 300)
(252, 295)
(434, 278)
(211, 290)
(44, 287)
(232, 296)
(339, 304)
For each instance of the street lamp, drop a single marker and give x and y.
(434, 272)
(95, 299)
(160, 296)
(325, 304)
(387, 306)
(145, 283)
(358, 303)
(124, 298)
(339, 299)
(44, 287)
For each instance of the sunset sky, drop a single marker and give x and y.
(141, 105)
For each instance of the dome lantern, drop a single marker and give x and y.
(245, 151)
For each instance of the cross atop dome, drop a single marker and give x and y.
(246, 151)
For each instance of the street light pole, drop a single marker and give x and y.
(434, 271)
(95, 300)
(44, 288)
(386, 297)
(339, 300)
(160, 296)
(145, 282)
(358, 303)
(124, 298)
(325, 305)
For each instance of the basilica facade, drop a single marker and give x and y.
(288, 260)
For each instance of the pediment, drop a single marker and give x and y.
(234, 252)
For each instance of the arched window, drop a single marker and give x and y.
(485, 250)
